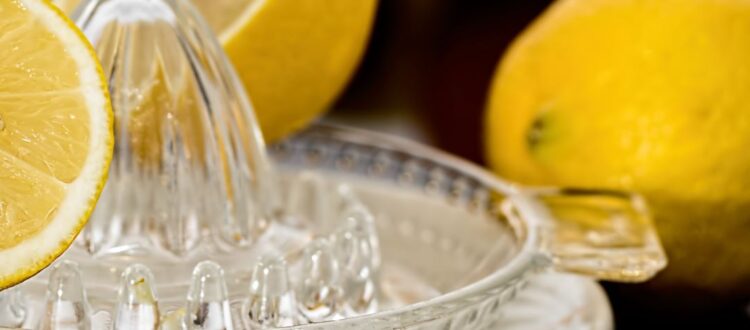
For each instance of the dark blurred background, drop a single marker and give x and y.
(425, 76)
(428, 67)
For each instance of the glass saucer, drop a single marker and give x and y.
(556, 301)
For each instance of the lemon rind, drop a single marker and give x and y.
(239, 23)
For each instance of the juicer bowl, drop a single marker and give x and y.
(456, 241)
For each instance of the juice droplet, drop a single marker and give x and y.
(2, 123)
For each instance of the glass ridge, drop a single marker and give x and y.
(188, 147)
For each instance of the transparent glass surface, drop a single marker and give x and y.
(200, 227)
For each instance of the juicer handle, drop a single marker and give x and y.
(605, 234)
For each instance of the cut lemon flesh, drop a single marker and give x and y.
(55, 135)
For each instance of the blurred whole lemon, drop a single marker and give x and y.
(293, 56)
(651, 96)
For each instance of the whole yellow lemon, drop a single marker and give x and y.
(645, 95)
(294, 56)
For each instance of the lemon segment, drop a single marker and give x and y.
(58, 144)
(30, 199)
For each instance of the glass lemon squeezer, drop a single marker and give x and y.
(200, 226)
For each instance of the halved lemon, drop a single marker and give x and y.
(55, 135)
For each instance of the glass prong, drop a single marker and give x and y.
(271, 301)
(359, 260)
(310, 202)
(66, 306)
(319, 292)
(137, 307)
(207, 301)
(12, 308)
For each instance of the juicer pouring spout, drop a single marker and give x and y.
(600, 233)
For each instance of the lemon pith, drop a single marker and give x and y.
(55, 139)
